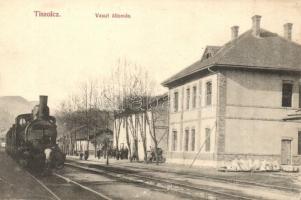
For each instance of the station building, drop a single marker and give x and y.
(233, 102)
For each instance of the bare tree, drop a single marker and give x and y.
(154, 113)
(131, 85)
(141, 120)
(125, 93)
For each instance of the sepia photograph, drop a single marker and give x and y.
(151, 100)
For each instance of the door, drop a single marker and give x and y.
(285, 152)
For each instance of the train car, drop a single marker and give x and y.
(32, 139)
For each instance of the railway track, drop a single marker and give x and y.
(201, 176)
(84, 187)
(52, 189)
(197, 191)
(225, 180)
(52, 194)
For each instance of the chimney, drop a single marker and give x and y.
(234, 32)
(43, 108)
(256, 25)
(288, 31)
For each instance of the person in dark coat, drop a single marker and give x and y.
(86, 156)
(122, 153)
(81, 154)
(126, 153)
(98, 154)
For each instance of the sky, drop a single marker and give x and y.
(52, 55)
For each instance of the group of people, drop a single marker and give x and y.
(151, 155)
(84, 155)
(121, 153)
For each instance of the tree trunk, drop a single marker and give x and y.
(143, 132)
(136, 149)
(155, 138)
(142, 126)
(135, 129)
(156, 152)
(72, 145)
(117, 132)
(127, 138)
(95, 144)
(152, 130)
(75, 141)
(134, 135)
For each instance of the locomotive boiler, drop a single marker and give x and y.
(32, 139)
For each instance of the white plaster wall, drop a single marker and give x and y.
(254, 112)
(258, 89)
(201, 117)
(259, 137)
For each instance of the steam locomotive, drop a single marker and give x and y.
(31, 141)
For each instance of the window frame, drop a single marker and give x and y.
(186, 140)
(200, 94)
(287, 99)
(187, 98)
(208, 100)
(194, 96)
(192, 139)
(207, 139)
(174, 140)
(176, 101)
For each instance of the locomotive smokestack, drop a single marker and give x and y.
(43, 108)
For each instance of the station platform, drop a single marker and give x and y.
(16, 183)
(278, 179)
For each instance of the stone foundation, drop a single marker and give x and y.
(268, 157)
(212, 160)
(229, 157)
(197, 163)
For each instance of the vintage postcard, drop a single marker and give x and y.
(128, 99)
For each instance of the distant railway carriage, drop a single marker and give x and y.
(32, 139)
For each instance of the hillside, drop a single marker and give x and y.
(10, 107)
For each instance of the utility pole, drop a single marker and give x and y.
(107, 147)
(87, 120)
(75, 141)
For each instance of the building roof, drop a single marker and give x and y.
(210, 51)
(269, 51)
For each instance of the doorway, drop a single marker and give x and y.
(286, 157)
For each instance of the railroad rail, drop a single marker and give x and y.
(190, 189)
(68, 180)
(226, 180)
(44, 186)
(201, 176)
